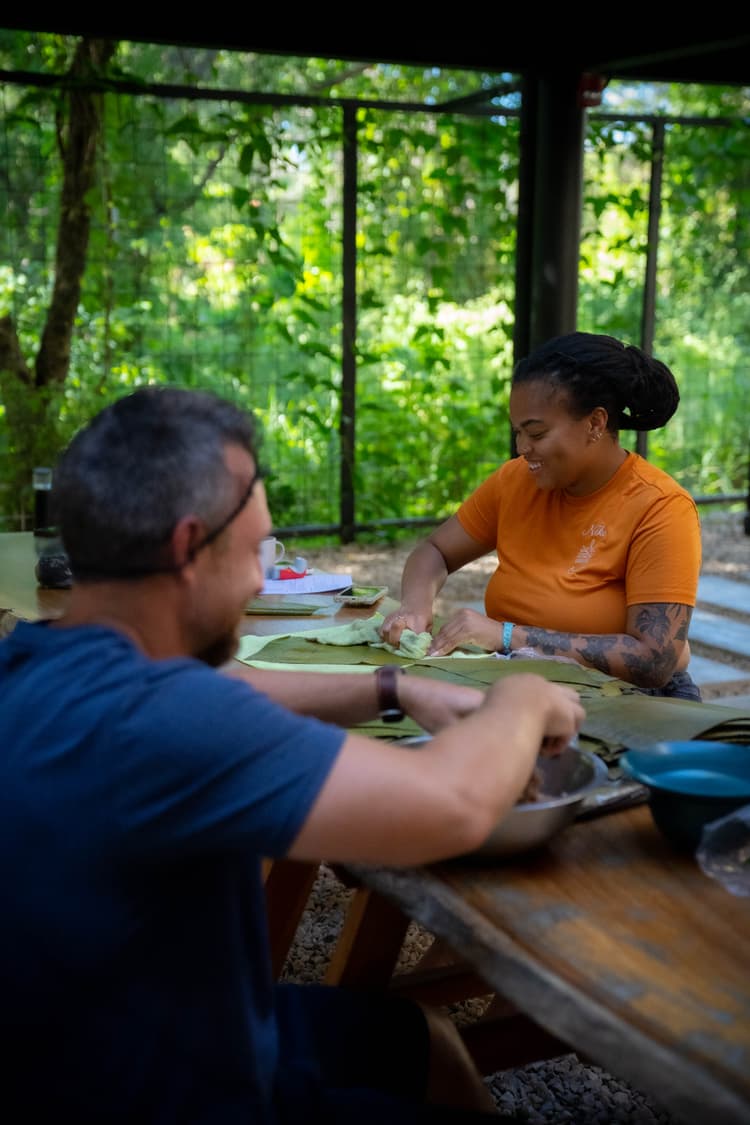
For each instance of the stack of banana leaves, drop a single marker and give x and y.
(618, 716)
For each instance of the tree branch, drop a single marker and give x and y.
(11, 356)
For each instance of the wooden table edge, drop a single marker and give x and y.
(567, 1013)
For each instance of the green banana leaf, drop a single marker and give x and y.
(618, 716)
(635, 721)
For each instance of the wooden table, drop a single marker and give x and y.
(613, 942)
(609, 939)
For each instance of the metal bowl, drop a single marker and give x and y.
(690, 784)
(564, 782)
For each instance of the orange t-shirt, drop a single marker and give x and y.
(575, 563)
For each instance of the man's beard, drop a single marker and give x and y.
(219, 651)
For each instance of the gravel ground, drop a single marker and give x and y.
(554, 1091)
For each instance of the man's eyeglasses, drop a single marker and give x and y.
(212, 535)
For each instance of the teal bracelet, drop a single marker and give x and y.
(507, 634)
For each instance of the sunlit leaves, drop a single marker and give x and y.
(215, 259)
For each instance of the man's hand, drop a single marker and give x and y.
(435, 704)
(384, 804)
(524, 698)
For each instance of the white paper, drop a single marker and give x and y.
(318, 583)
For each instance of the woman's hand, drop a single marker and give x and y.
(467, 627)
(447, 549)
(402, 618)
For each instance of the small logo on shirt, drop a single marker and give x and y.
(591, 536)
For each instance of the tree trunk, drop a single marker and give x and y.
(29, 394)
(79, 152)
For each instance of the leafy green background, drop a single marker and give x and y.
(215, 261)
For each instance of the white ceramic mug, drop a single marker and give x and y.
(271, 553)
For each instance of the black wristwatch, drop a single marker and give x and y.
(386, 679)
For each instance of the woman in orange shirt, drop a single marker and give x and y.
(598, 551)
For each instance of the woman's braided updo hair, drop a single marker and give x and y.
(637, 391)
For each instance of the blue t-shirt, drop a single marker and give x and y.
(137, 798)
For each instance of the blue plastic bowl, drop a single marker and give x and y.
(690, 784)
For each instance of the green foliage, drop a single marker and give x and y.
(703, 283)
(215, 260)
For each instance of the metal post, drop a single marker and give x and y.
(348, 326)
(527, 146)
(648, 317)
(558, 194)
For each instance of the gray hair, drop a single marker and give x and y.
(136, 469)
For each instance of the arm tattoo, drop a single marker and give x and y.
(551, 644)
(646, 658)
(653, 621)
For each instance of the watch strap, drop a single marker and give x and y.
(386, 683)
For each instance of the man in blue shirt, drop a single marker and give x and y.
(140, 786)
